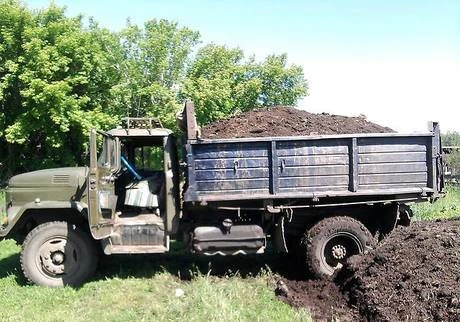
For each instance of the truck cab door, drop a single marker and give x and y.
(102, 199)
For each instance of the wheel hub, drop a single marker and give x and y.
(339, 252)
(52, 256)
(58, 258)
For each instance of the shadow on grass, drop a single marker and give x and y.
(11, 266)
(185, 266)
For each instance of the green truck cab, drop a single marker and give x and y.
(61, 214)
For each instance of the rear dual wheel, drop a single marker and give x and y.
(332, 241)
(58, 254)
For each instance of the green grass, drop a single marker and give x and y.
(444, 208)
(143, 289)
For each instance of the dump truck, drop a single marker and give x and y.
(322, 197)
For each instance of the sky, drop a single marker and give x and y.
(397, 62)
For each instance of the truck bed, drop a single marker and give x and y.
(362, 167)
(314, 167)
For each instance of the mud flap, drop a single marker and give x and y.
(279, 240)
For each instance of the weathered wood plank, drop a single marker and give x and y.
(320, 170)
(383, 168)
(215, 151)
(243, 163)
(314, 181)
(312, 160)
(209, 175)
(392, 148)
(390, 186)
(393, 178)
(315, 188)
(237, 184)
(392, 157)
(303, 149)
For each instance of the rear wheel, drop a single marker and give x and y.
(57, 254)
(332, 241)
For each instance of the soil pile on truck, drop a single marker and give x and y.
(412, 275)
(287, 121)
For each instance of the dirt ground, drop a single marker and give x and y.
(412, 275)
(286, 121)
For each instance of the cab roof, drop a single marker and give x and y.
(125, 133)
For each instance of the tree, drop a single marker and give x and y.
(222, 82)
(153, 65)
(451, 138)
(55, 80)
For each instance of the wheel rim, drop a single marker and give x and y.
(338, 248)
(57, 257)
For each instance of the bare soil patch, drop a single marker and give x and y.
(412, 275)
(287, 121)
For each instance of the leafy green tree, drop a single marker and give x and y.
(222, 82)
(153, 65)
(55, 80)
(451, 138)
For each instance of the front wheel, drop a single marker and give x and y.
(57, 254)
(332, 241)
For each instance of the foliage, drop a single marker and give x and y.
(221, 82)
(153, 64)
(451, 138)
(55, 81)
(59, 77)
(452, 158)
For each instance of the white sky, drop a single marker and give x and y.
(400, 92)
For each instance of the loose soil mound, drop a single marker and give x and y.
(413, 275)
(287, 121)
(322, 298)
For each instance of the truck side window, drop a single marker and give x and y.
(149, 158)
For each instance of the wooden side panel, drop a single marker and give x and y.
(281, 167)
(319, 165)
(392, 163)
(229, 168)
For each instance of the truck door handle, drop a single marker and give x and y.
(283, 165)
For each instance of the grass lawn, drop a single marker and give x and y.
(444, 208)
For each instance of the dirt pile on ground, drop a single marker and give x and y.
(322, 298)
(287, 121)
(412, 275)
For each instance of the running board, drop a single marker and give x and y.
(133, 249)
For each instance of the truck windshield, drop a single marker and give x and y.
(107, 158)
